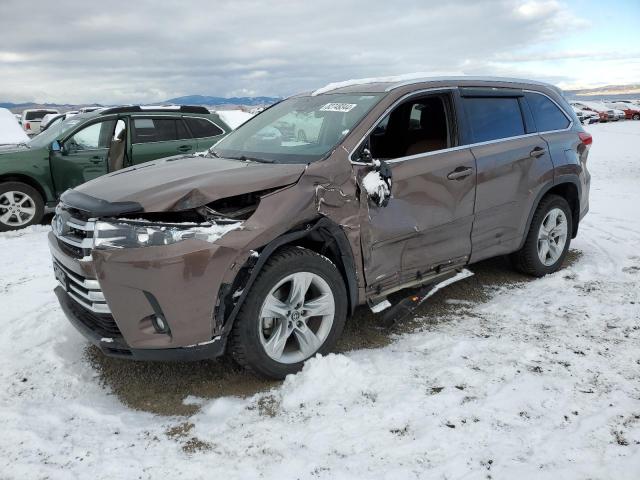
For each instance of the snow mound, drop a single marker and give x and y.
(11, 133)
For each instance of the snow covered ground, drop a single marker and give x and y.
(540, 382)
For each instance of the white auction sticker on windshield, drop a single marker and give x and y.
(339, 107)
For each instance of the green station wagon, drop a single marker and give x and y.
(33, 175)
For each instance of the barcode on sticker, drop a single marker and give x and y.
(338, 107)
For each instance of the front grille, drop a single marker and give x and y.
(103, 324)
(74, 230)
(84, 291)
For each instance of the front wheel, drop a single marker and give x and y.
(636, 116)
(20, 206)
(548, 240)
(296, 308)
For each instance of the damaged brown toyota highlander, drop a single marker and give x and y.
(354, 194)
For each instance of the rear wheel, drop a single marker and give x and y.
(548, 240)
(20, 206)
(636, 116)
(296, 308)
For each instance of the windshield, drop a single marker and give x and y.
(54, 132)
(297, 130)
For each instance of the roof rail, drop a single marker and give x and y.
(155, 108)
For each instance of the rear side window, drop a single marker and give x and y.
(202, 128)
(492, 118)
(147, 130)
(546, 114)
(36, 115)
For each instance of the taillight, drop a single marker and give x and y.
(585, 138)
(27, 126)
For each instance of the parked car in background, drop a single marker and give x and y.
(31, 119)
(605, 113)
(50, 119)
(88, 145)
(631, 111)
(620, 115)
(10, 131)
(53, 118)
(586, 116)
(265, 246)
(90, 109)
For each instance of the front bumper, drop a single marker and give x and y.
(115, 346)
(179, 282)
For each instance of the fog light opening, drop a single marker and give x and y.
(160, 324)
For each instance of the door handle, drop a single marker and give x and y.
(460, 173)
(96, 159)
(537, 152)
(184, 148)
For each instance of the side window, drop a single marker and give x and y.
(96, 135)
(147, 130)
(493, 118)
(415, 127)
(546, 114)
(202, 128)
(183, 133)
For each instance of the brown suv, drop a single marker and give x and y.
(264, 246)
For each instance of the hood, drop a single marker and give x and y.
(183, 182)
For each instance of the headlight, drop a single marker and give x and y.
(142, 234)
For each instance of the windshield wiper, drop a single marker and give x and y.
(213, 152)
(23, 144)
(244, 158)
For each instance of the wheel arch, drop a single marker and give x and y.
(324, 237)
(567, 187)
(32, 182)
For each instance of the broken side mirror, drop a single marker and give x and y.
(377, 183)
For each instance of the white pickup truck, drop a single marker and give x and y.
(31, 119)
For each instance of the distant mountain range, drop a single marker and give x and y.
(186, 100)
(206, 100)
(613, 92)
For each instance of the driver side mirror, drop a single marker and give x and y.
(58, 147)
(377, 183)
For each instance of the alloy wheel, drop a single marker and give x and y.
(16, 208)
(296, 317)
(552, 236)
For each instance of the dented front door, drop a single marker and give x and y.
(427, 222)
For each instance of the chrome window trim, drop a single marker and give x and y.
(459, 147)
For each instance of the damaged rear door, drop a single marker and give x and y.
(426, 225)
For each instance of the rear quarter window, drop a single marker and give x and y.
(493, 118)
(202, 128)
(546, 113)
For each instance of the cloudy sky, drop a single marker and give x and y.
(151, 50)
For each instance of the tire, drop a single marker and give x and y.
(21, 205)
(254, 338)
(636, 116)
(528, 260)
